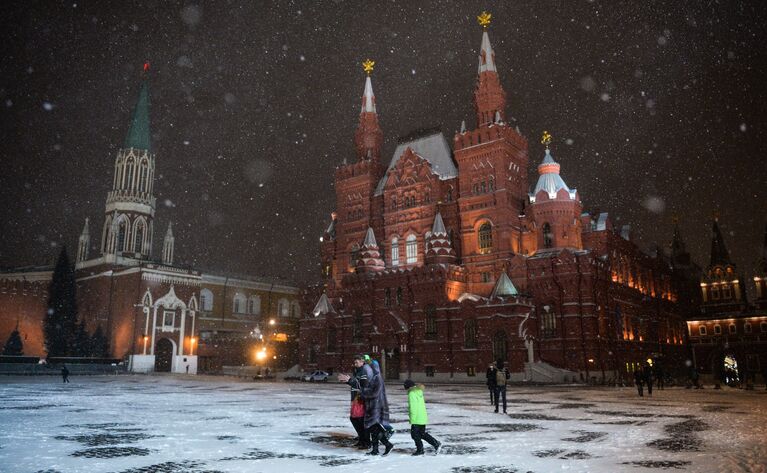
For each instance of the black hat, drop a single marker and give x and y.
(409, 383)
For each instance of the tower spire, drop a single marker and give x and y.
(489, 96)
(439, 248)
(167, 245)
(84, 243)
(138, 134)
(719, 254)
(368, 138)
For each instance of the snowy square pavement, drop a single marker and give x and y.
(160, 424)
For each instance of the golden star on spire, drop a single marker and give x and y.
(484, 19)
(367, 66)
(546, 139)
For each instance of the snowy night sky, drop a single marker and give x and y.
(656, 111)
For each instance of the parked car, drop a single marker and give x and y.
(320, 376)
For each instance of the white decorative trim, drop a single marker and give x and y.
(170, 301)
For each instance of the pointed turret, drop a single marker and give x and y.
(504, 288)
(489, 96)
(549, 179)
(368, 138)
(719, 254)
(131, 199)
(167, 245)
(439, 248)
(323, 306)
(138, 133)
(83, 243)
(369, 257)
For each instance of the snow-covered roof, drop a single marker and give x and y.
(549, 179)
(368, 99)
(489, 62)
(439, 226)
(323, 306)
(433, 148)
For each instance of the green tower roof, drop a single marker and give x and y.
(138, 134)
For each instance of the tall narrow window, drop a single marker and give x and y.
(138, 241)
(357, 328)
(485, 238)
(430, 331)
(142, 183)
(548, 236)
(128, 178)
(122, 233)
(499, 345)
(395, 251)
(470, 333)
(331, 342)
(411, 249)
(399, 296)
(206, 299)
(387, 297)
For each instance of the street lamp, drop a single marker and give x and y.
(191, 345)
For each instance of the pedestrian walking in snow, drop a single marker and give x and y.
(648, 378)
(376, 410)
(64, 373)
(361, 374)
(502, 376)
(416, 406)
(659, 376)
(639, 381)
(490, 375)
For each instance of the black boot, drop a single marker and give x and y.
(389, 446)
(374, 451)
(417, 453)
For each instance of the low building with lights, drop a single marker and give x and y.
(444, 260)
(158, 315)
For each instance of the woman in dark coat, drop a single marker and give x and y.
(376, 410)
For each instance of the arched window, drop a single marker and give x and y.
(430, 330)
(470, 333)
(548, 324)
(548, 236)
(122, 234)
(491, 184)
(283, 308)
(138, 238)
(142, 183)
(485, 238)
(399, 296)
(499, 345)
(295, 310)
(387, 297)
(147, 301)
(206, 299)
(395, 251)
(255, 305)
(411, 249)
(450, 195)
(393, 204)
(128, 178)
(238, 304)
(354, 255)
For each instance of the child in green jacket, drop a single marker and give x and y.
(418, 418)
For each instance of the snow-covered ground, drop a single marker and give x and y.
(143, 424)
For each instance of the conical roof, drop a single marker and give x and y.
(719, 254)
(439, 226)
(504, 287)
(323, 306)
(549, 179)
(368, 98)
(138, 133)
(370, 239)
(486, 55)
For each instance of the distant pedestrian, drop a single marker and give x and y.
(659, 376)
(64, 373)
(648, 378)
(639, 381)
(695, 378)
(502, 376)
(418, 419)
(490, 375)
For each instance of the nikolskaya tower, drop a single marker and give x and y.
(130, 206)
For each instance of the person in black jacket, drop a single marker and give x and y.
(356, 382)
(65, 373)
(639, 381)
(502, 376)
(490, 375)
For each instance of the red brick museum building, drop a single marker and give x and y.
(446, 260)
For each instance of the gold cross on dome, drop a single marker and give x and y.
(367, 66)
(484, 19)
(546, 139)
